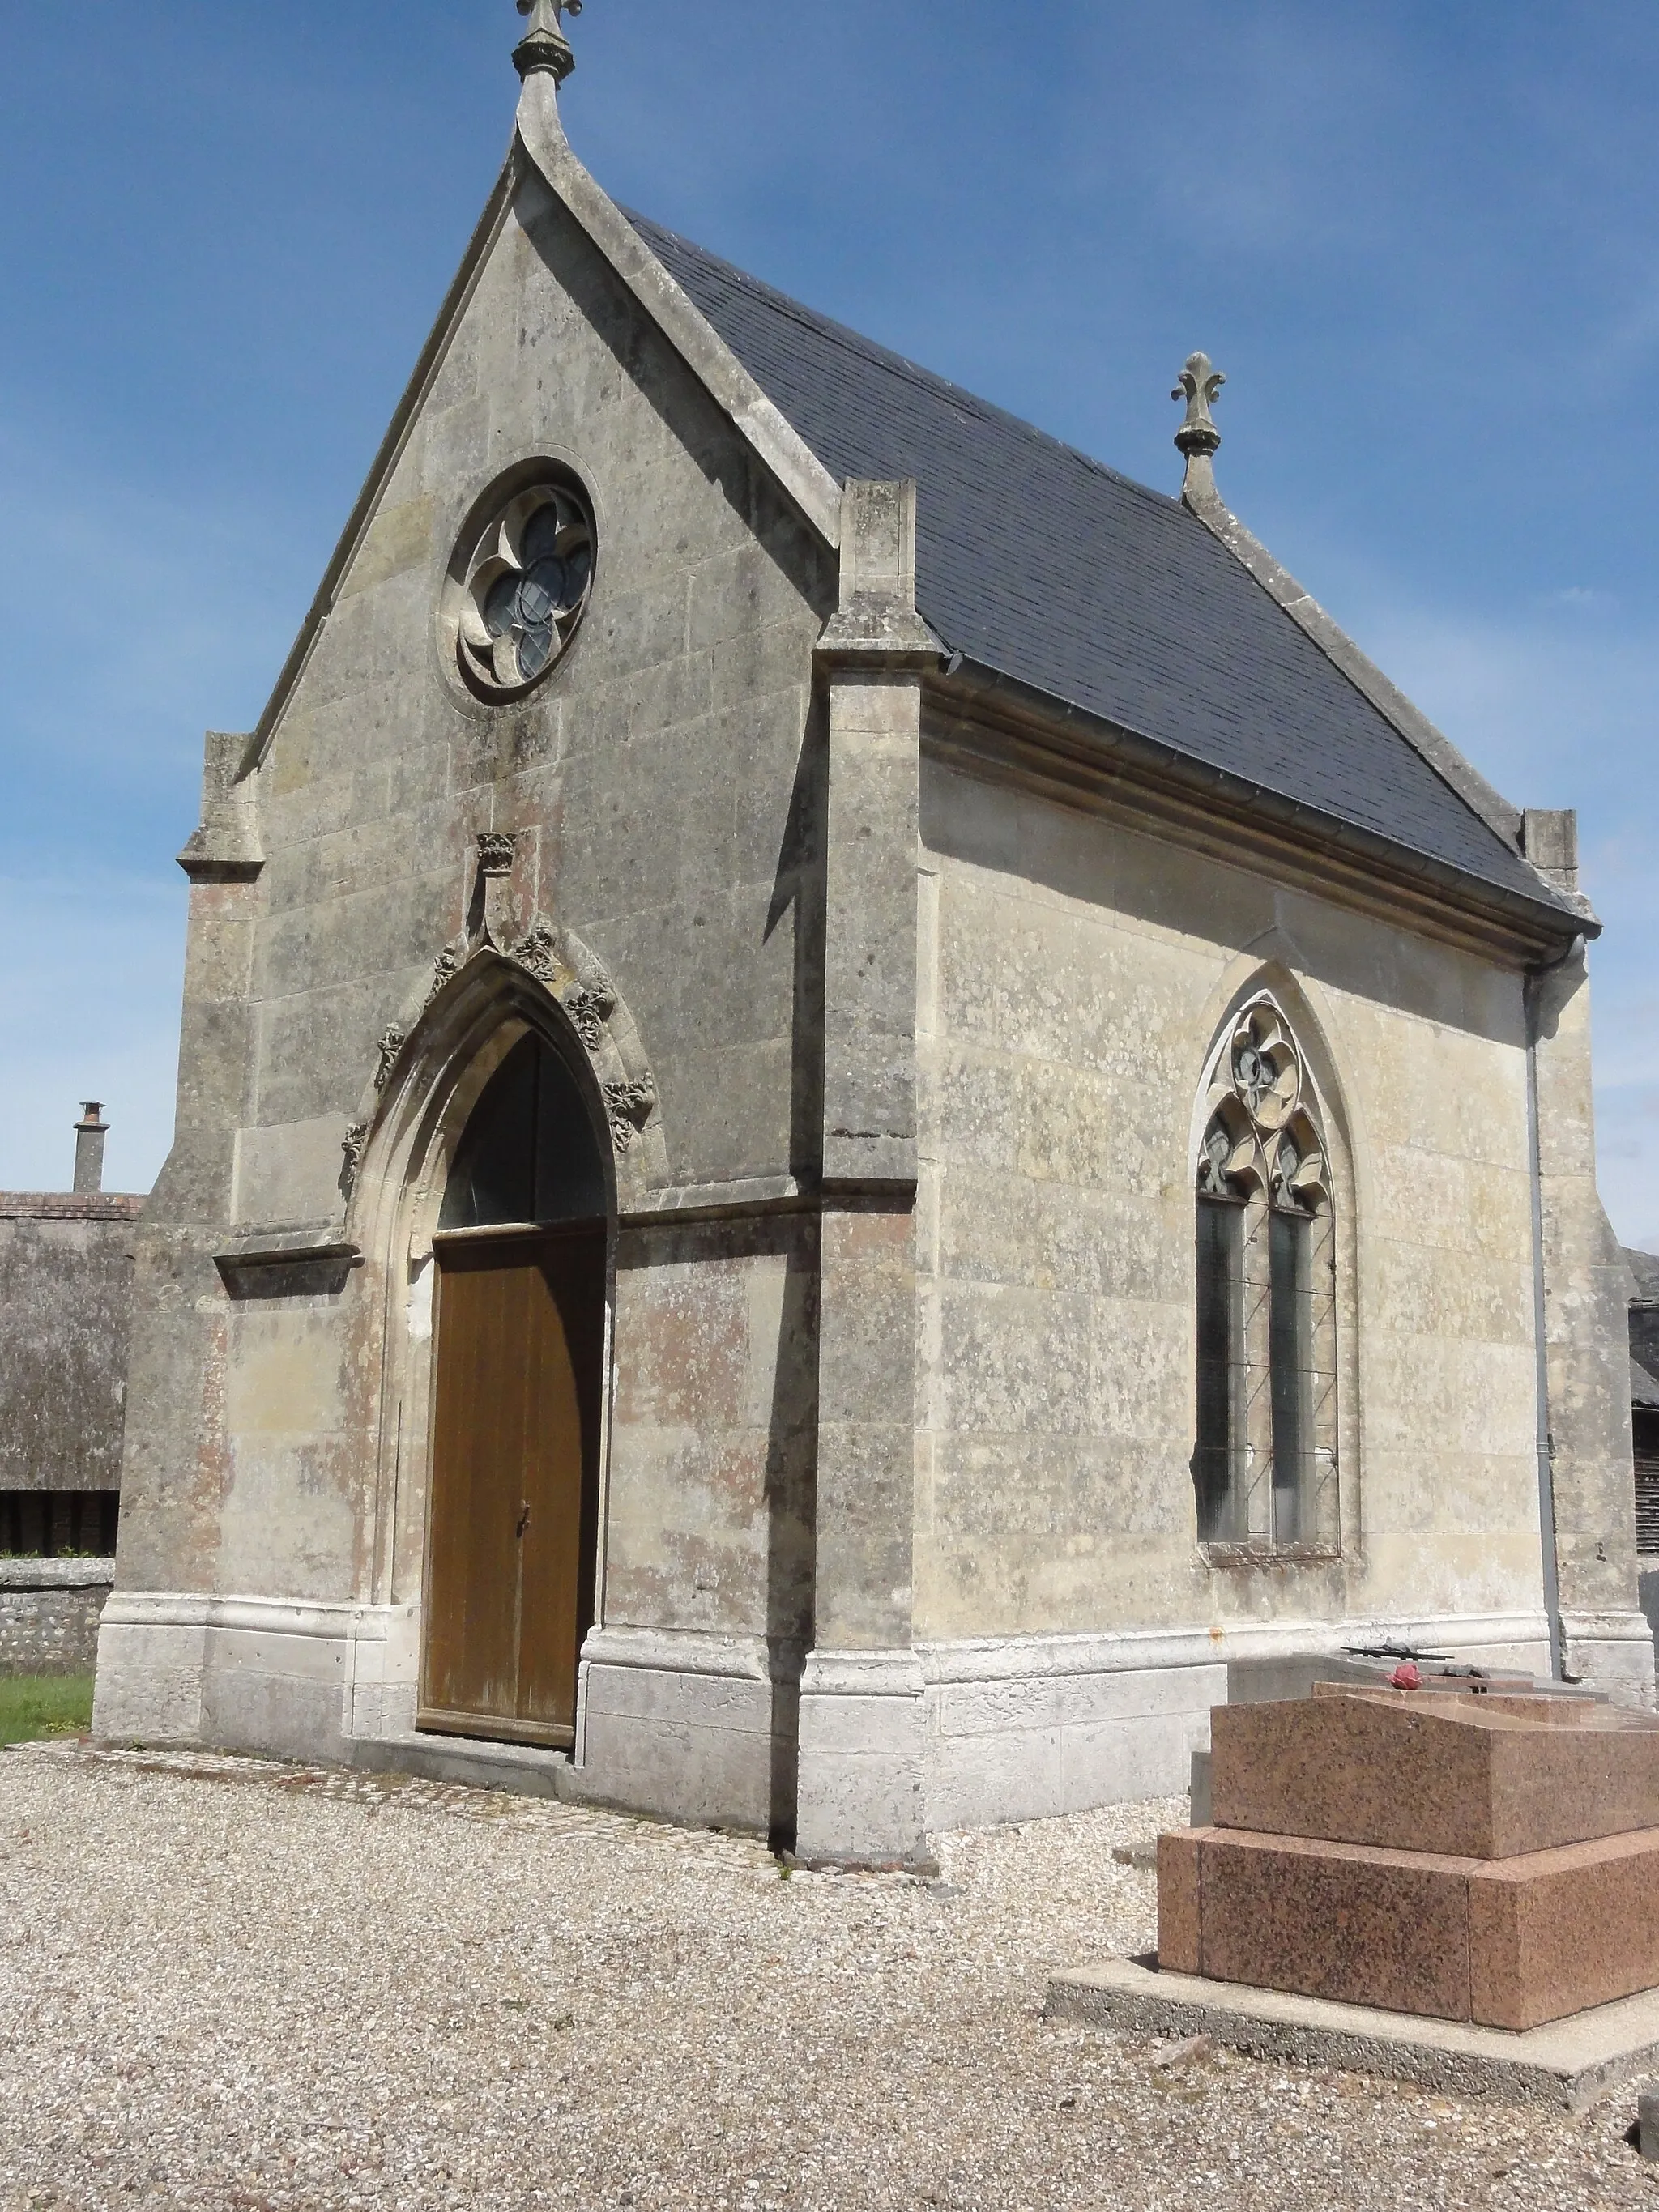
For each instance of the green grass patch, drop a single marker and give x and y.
(35, 1705)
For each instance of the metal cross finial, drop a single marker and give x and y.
(544, 45)
(1198, 386)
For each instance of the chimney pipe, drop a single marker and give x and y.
(91, 1132)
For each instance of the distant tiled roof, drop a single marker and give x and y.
(68, 1205)
(1046, 567)
(1645, 1266)
(1643, 1387)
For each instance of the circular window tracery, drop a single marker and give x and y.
(1262, 1132)
(520, 593)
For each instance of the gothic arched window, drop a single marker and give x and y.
(1265, 1467)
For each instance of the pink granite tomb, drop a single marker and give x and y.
(1487, 1859)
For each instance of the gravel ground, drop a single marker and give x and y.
(232, 1985)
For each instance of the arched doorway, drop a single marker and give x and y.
(512, 1525)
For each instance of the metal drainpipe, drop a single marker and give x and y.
(1545, 1446)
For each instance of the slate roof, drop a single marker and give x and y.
(1644, 1385)
(1044, 566)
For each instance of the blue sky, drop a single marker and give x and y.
(1423, 242)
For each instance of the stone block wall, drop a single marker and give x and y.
(657, 801)
(1073, 976)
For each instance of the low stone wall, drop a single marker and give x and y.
(49, 1611)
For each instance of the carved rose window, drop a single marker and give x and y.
(1265, 1467)
(522, 589)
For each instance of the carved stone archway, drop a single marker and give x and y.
(484, 993)
(575, 980)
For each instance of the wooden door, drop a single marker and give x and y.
(514, 1521)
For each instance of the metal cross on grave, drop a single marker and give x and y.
(544, 45)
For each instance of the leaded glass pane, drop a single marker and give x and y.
(1291, 1361)
(1217, 1462)
(514, 601)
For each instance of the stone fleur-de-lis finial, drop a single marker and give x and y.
(544, 45)
(1199, 385)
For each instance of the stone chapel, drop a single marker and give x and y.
(853, 1100)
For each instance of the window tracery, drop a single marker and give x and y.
(1265, 1463)
(520, 591)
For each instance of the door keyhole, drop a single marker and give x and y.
(524, 1516)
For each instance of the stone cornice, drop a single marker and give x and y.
(288, 1261)
(37, 1576)
(1002, 732)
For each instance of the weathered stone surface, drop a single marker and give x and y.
(710, 1527)
(1180, 1948)
(1476, 1778)
(651, 787)
(65, 1298)
(898, 1068)
(1076, 975)
(1605, 1634)
(1510, 1943)
(49, 1614)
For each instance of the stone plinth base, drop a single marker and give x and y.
(1574, 2063)
(1511, 1943)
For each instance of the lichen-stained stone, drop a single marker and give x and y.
(652, 782)
(54, 1630)
(898, 1002)
(1063, 1160)
(65, 1307)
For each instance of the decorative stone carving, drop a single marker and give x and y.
(590, 1009)
(495, 850)
(354, 1145)
(538, 951)
(447, 966)
(582, 988)
(518, 590)
(544, 45)
(391, 1043)
(1262, 1135)
(1198, 385)
(568, 972)
(629, 1106)
(577, 981)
